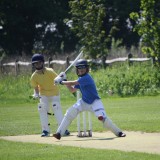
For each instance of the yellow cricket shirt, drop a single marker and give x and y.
(45, 82)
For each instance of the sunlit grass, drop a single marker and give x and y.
(19, 116)
(132, 114)
(25, 151)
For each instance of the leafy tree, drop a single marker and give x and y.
(118, 23)
(97, 22)
(148, 27)
(87, 17)
(28, 23)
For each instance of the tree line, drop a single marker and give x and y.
(64, 26)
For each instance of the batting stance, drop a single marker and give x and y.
(44, 89)
(90, 100)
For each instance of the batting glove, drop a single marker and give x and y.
(35, 96)
(63, 75)
(58, 80)
(61, 82)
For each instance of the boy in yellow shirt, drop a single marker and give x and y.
(42, 80)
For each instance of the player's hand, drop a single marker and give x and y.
(62, 82)
(63, 75)
(58, 80)
(35, 96)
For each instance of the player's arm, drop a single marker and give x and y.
(70, 84)
(36, 93)
(34, 85)
(36, 90)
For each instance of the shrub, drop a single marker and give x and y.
(124, 81)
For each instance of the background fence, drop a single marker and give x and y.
(19, 67)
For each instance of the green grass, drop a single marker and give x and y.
(32, 151)
(19, 116)
(134, 113)
(131, 114)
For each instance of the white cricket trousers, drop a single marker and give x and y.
(44, 107)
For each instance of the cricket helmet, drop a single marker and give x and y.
(80, 64)
(37, 57)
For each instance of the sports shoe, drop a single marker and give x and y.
(57, 135)
(121, 134)
(45, 134)
(67, 133)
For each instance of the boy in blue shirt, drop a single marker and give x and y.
(90, 100)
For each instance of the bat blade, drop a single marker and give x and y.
(73, 63)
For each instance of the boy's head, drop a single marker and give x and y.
(82, 67)
(38, 61)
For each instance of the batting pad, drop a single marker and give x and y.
(108, 124)
(43, 116)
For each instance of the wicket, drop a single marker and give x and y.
(84, 132)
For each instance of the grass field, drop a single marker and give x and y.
(131, 114)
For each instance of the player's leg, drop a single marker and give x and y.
(43, 110)
(70, 115)
(107, 122)
(56, 106)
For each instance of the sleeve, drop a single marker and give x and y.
(54, 72)
(77, 86)
(33, 84)
(84, 80)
